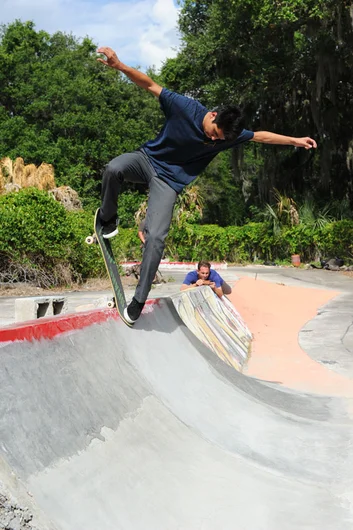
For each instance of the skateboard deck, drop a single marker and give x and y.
(111, 266)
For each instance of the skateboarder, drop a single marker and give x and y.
(190, 138)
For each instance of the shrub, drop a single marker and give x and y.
(129, 203)
(40, 241)
(251, 242)
(86, 260)
(43, 243)
(337, 240)
(127, 246)
(301, 239)
(256, 241)
(32, 222)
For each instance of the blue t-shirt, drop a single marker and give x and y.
(181, 151)
(192, 277)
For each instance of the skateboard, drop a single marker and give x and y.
(111, 266)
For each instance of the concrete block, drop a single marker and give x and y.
(35, 307)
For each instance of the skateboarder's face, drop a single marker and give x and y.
(203, 273)
(210, 128)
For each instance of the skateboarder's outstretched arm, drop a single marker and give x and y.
(267, 137)
(139, 78)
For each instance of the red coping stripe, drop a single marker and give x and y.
(47, 328)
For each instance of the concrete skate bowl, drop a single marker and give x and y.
(106, 427)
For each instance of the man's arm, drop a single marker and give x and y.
(186, 283)
(141, 236)
(266, 137)
(140, 79)
(186, 286)
(215, 289)
(216, 282)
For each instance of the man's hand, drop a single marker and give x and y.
(217, 290)
(205, 282)
(111, 60)
(139, 78)
(307, 143)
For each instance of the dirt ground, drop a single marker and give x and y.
(95, 284)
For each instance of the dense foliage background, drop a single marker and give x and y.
(59, 105)
(288, 64)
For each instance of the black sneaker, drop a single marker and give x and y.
(110, 228)
(133, 311)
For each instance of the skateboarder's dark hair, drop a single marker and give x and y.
(230, 119)
(203, 264)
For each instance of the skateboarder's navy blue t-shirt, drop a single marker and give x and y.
(181, 151)
(192, 278)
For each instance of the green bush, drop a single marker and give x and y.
(337, 240)
(234, 244)
(32, 222)
(251, 242)
(332, 239)
(129, 203)
(41, 242)
(256, 242)
(301, 239)
(86, 260)
(127, 246)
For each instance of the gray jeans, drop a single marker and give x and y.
(136, 167)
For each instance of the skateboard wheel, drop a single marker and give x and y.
(111, 304)
(90, 240)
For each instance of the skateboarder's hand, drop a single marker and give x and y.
(111, 60)
(307, 143)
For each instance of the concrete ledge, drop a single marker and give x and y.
(35, 307)
(178, 265)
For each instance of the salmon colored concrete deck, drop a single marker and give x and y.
(275, 314)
